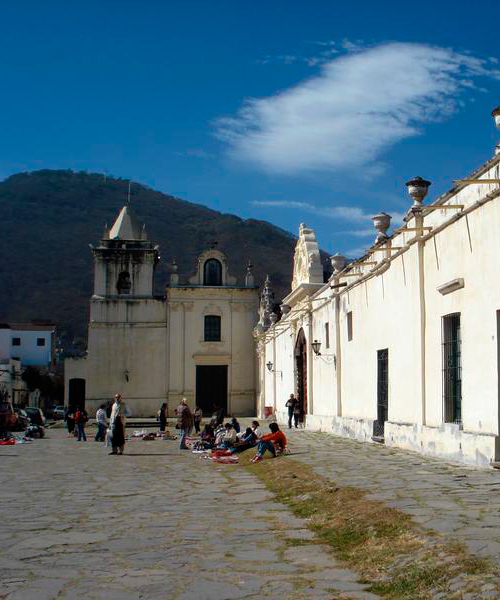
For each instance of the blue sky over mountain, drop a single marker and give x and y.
(292, 112)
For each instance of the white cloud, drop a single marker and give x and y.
(361, 104)
(352, 214)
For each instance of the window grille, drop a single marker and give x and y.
(382, 392)
(212, 272)
(452, 368)
(212, 328)
(16, 341)
(40, 341)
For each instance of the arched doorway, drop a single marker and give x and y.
(301, 370)
(76, 393)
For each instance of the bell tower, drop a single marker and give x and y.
(125, 260)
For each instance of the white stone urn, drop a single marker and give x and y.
(382, 222)
(285, 309)
(417, 188)
(338, 262)
(495, 113)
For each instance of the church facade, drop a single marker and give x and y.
(193, 342)
(401, 346)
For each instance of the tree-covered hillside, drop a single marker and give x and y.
(48, 218)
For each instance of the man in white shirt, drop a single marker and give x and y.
(102, 423)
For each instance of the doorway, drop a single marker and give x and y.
(211, 388)
(382, 393)
(301, 371)
(76, 393)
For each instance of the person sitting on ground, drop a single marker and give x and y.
(207, 437)
(256, 429)
(275, 442)
(228, 438)
(247, 440)
(235, 424)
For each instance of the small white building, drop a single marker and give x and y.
(31, 343)
(403, 345)
(194, 342)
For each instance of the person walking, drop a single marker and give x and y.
(296, 414)
(197, 416)
(80, 420)
(185, 421)
(291, 403)
(102, 423)
(162, 416)
(117, 425)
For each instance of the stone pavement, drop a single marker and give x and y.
(458, 501)
(156, 523)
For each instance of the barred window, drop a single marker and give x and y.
(212, 328)
(212, 272)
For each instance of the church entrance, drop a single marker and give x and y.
(301, 370)
(76, 393)
(211, 388)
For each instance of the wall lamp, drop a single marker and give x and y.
(126, 373)
(316, 346)
(269, 366)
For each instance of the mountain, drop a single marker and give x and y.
(49, 218)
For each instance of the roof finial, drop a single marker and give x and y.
(128, 197)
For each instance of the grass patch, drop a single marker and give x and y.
(398, 558)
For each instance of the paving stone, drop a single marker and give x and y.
(148, 526)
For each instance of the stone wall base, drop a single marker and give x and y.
(447, 441)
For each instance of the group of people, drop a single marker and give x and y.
(112, 432)
(215, 436)
(230, 439)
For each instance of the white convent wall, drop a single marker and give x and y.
(401, 309)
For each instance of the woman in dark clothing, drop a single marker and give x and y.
(162, 416)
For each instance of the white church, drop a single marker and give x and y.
(400, 347)
(195, 342)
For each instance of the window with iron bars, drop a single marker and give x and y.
(452, 368)
(212, 328)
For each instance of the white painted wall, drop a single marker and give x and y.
(28, 352)
(401, 309)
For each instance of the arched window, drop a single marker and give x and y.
(123, 284)
(212, 272)
(212, 328)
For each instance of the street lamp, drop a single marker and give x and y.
(329, 358)
(316, 346)
(270, 365)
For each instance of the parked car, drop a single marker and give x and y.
(35, 415)
(22, 419)
(8, 417)
(58, 412)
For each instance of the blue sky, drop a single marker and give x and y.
(314, 112)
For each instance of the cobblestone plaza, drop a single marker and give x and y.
(161, 523)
